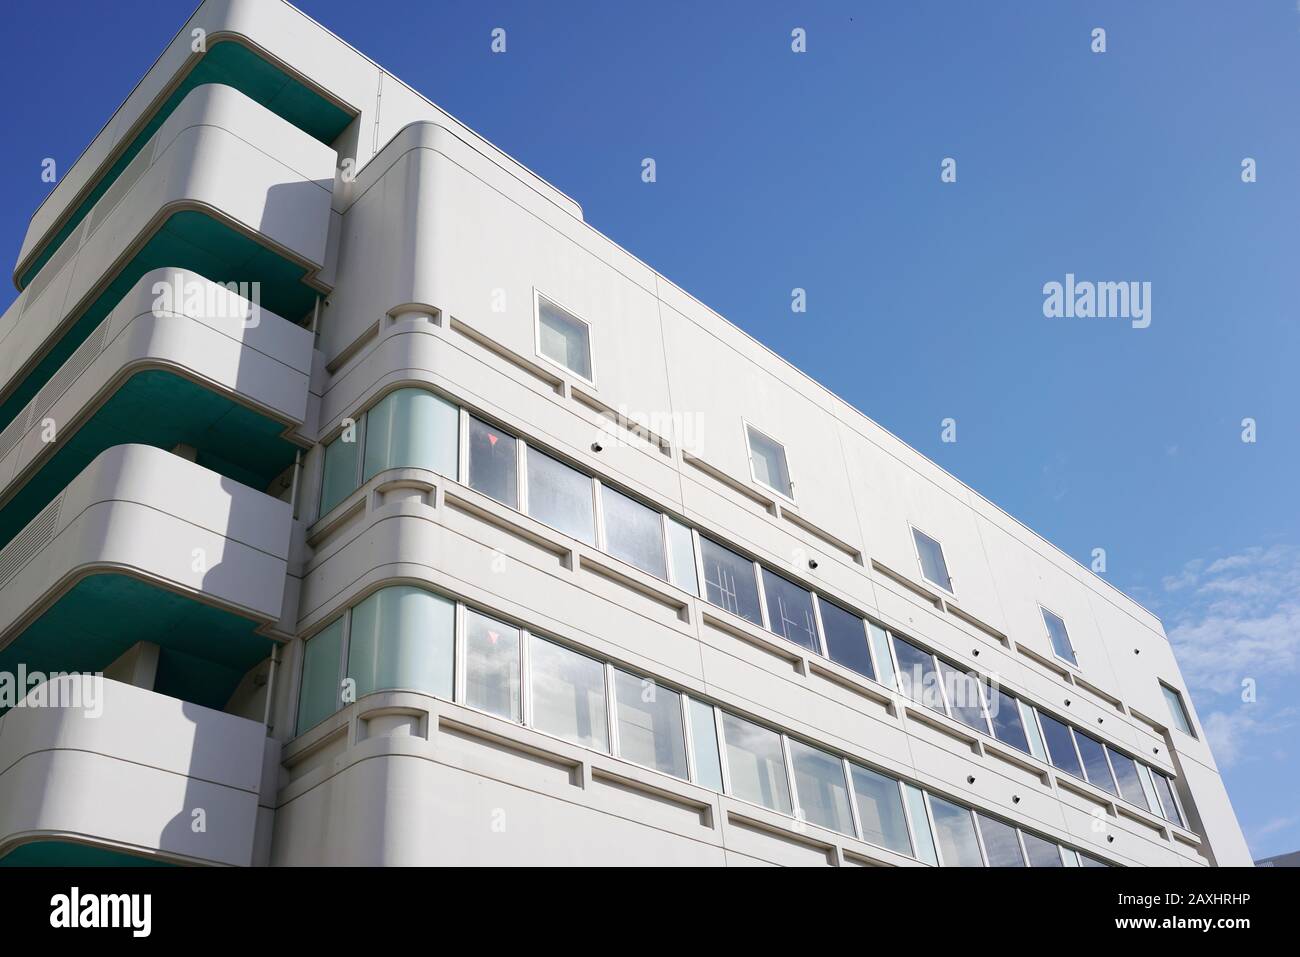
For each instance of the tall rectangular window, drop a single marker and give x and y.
(1177, 710)
(1094, 762)
(412, 428)
(954, 827)
(963, 692)
(790, 611)
(1165, 790)
(318, 695)
(650, 731)
(493, 463)
(767, 462)
(1060, 745)
(1030, 720)
(820, 787)
(568, 694)
(681, 551)
(933, 566)
(846, 638)
(729, 581)
(1008, 726)
(1001, 843)
(403, 637)
(880, 810)
(1042, 852)
(922, 832)
(879, 641)
(634, 532)
(756, 764)
(916, 675)
(1126, 775)
(492, 666)
(340, 470)
(560, 497)
(1059, 636)
(563, 338)
(704, 744)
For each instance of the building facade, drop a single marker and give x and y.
(412, 521)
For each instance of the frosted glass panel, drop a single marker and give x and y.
(340, 470)
(319, 694)
(560, 496)
(412, 428)
(403, 637)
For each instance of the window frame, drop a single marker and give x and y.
(1167, 690)
(787, 496)
(1044, 611)
(943, 555)
(538, 296)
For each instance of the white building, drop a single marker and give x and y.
(478, 541)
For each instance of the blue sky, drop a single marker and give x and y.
(821, 170)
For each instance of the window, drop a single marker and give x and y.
(1030, 721)
(1086, 861)
(963, 692)
(1060, 637)
(1042, 852)
(1149, 788)
(560, 496)
(880, 810)
(1008, 726)
(954, 827)
(846, 638)
(492, 666)
(1169, 803)
(819, 784)
(767, 463)
(1060, 745)
(790, 611)
(921, 831)
(342, 462)
(704, 742)
(681, 553)
(563, 338)
(1126, 775)
(568, 694)
(916, 675)
(1001, 843)
(729, 581)
(412, 428)
(493, 463)
(650, 731)
(1095, 765)
(878, 638)
(755, 764)
(1177, 710)
(403, 637)
(634, 532)
(318, 695)
(933, 567)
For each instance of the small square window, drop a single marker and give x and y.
(1177, 710)
(933, 566)
(767, 463)
(563, 338)
(1060, 637)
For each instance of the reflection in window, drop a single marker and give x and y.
(1001, 843)
(846, 638)
(563, 338)
(963, 692)
(790, 611)
(729, 581)
(1126, 775)
(916, 675)
(955, 830)
(879, 639)
(819, 784)
(318, 696)
(1094, 762)
(1060, 637)
(634, 532)
(921, 829)
(756, 764)
(704, 742)
(767, 459)
(412, 428)
(650, 729)
(568, 694)
(933, 567)
(1169, 804)
(1060, 745)
(880, 810)
(491, 665)
(1007, 724)
(493, 463)
(1030, 721)
(1177, 710)
(560, 497)
(1042, 853)
(682, 556)
(403, 637)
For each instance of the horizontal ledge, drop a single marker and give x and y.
(901, 579)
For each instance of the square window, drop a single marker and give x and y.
(1177, 710)
(954, 826)
(821, 789)
(790, 611)
(634, 532)
(1001, 842)
(1042, 852)
(1060, 637)
(846, 638)
(933, 567)
(767, 463)
(563, 338)
(756, 764)
(560, 497)
(729, 581)
(493, 463)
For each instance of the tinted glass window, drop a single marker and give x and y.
(1126, 775)
(1000, 843)
(916, 675)
(790, 611)
(933, 567)
(650, 729)
(1060, 745)
(846, 638)
(340, 469)
(403, 637)
(1094, 762)
(493, 463)
(318, 697)
(634, 532)
(1060, 638)
(560, 497)
(491, 665)
(819, 784)
(756, 764)
(568, 694)
(563, 338)
(880, 810)
(954, 827)
(768, 458)
(1008, 727)
(729, 581)
(1041, 853)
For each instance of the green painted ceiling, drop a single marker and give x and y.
(71, 854)
(160, 408)
(235, 65)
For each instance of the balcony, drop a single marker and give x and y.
(124, 778)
